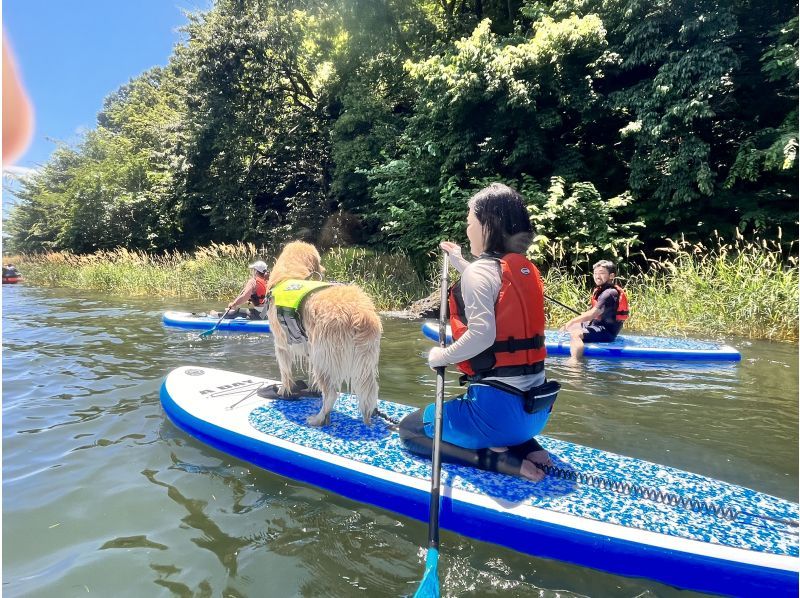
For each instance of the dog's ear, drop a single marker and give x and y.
(314, 260)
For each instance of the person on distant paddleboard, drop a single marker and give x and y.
(10, 271)
(497, 320)
(608, 310)
(254, 293)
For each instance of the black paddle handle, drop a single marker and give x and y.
(433, 527)
(436, 458)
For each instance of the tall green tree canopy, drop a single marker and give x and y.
(622, 121)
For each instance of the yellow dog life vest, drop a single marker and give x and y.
(288, 297)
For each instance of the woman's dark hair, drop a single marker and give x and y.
(504, 219)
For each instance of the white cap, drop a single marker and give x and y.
(259, 266)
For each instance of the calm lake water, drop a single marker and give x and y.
(103, 496)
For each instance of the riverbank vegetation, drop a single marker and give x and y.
(367, 124)
(734, 288)
(217, 272)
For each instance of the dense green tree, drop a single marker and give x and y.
(255, 148)
(489, 109)
(762, 180)
(695, 116)
(112, 190)
(39, 213)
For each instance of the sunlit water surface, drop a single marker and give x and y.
(103, 496)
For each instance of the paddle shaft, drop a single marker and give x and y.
(210, 332)
(433, 519)
(575, 311)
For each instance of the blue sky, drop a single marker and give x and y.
(73, 53)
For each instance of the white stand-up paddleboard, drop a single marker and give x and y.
(626, 346)
(595, 509)
(182, 319)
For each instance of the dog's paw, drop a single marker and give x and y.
(320, 419)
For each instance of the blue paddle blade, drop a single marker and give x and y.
(208, 333)
(429, 586)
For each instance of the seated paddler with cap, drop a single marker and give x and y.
(254, 294)
(497, 321)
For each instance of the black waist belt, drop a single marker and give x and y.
(518, 344)
(505, 372)
(536, 399)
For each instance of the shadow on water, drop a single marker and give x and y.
(212, 537)
(316, 530)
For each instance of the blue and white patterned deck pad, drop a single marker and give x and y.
(601, 520)
(627, 346)
(376, 445)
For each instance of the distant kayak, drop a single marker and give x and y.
(12, 279)
(627, 347)
(183, 319)
(594, 508)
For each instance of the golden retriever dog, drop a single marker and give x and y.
(343, 330)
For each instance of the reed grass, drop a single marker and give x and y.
(737, 288)
(388, 278)
(217, 272)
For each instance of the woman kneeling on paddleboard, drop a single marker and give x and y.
(497, 319)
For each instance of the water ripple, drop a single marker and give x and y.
(103, 495)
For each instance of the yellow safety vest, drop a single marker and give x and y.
(288, 297)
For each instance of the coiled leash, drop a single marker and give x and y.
(392, 423)
(655, 495)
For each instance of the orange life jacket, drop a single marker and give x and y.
(622, 302)
(258, 297)
(519, 315)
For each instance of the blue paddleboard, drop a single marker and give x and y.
(182, 319)
(595, 509)
(627, 347)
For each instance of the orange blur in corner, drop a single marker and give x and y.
(17, 110)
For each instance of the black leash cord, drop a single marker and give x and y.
(393, 423)
(629, 488)
(660, 496)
